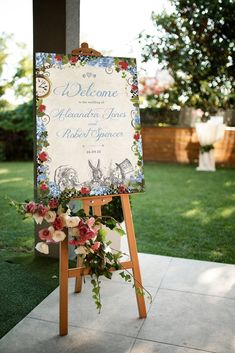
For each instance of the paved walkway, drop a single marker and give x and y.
(193, 311)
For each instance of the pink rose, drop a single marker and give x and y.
(137, 136)
(53, 203)
(90, 222)
(73, 59)
(83, 230)
(85, 191)
(123, 65)
(43, 156)
(85, 234)
(58, 224)
(42, 108)
(74, 242)
(43, 186)
(45, 234)
(42, 210)
(134, 88)
(122, 189)
(95, 246)
(31, 207)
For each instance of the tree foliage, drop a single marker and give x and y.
(21, 80)
(196, 43)
(16, 133)
(16, 122)
(3, 59)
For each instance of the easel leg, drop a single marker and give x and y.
(133, 252)
(78, 281)
(64, 287)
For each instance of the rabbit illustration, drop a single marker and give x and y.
(96, 172)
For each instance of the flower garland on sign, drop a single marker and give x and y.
(87, 233)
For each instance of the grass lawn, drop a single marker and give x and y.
(25, 280)
(183, 213)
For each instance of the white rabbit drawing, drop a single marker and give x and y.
(96, 172)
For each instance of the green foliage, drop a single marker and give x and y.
(3, 60)
(16, 123)
(154, 116)
(113, 209)
(19, 119)
(125, 276)
(16, 132)
(22, 80)
(119, 230)
(96, 292)
(196, 43)
(206, 148)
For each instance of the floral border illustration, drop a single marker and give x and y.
(47, 188)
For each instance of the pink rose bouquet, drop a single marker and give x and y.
(88, 234)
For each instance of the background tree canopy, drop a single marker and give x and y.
(16, 122)
(196, 44)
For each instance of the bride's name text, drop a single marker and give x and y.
(107, 114)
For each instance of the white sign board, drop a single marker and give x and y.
(87, 126)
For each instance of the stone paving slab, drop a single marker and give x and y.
(119, 312)
(36, 336)
(193, 312)
(153, 269)
(200, 277)
(142, 346)
(191, 320)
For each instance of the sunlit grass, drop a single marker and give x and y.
(16, 182)
(10, 180)
(186, 213)
(4, 171)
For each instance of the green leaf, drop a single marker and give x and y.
(65, 59)
(102, 233)
(120, 231)
(139, 291)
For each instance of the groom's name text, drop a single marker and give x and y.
(97, 134)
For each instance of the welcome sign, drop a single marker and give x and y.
(87, 126)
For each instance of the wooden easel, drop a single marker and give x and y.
(96, 203)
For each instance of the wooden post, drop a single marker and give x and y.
(133, 253)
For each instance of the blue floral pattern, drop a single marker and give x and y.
(54, 189)
(100, 190)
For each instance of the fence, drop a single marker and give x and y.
(178, 144)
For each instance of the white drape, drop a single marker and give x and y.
(208, 133)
